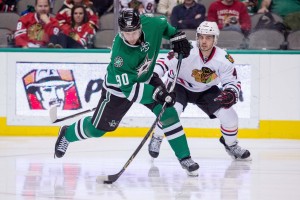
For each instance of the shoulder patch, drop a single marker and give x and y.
(118, 61)
(228, 57)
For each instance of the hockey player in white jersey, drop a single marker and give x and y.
(200, 73)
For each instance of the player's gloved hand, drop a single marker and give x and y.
(227, 98)
(156, 81)
(180, 44)
(161, 95)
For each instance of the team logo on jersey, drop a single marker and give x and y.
(205, 75)
(229, 58)
(118, 62)
(36, 32)
(145, 46)
(144, 67)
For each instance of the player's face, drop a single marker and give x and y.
(206, 42)
(52, 95)
(42, 7)
(188, 2)
(78, 15)
(132, 37)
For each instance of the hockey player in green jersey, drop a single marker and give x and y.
(130, 79)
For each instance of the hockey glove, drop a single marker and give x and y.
(156, 81)
(180, 44)
(161, 95)
(227, 98)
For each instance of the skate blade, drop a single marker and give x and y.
(193, 173)
(242, 159)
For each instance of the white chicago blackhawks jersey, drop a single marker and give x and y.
(198, 74)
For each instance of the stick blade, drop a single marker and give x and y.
(53, 113)
(107, 182)
(103, 179)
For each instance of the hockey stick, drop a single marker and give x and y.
(112, 178)
(53, 114)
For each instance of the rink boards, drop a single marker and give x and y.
(270, 85)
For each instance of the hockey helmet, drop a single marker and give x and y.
(129, 20)
(209, 28)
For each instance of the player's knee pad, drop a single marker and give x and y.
(169, 117)
(228, 117)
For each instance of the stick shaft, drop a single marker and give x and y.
(74, 115)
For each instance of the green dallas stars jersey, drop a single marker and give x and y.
(131, 67)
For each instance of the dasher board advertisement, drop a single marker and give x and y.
(76, 86)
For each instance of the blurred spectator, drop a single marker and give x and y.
(78, 34)
(280, 7)
(64, 14)
(252, 5)
(230, 15)
(103, 6)
(36, 29)
(8, 5)
(188, 15)
(165, 7)
(143, 6)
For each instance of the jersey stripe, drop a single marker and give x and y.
(173, 131)
(113, 88)
(82, 133)
(101, 109)
(229, 132)
(140, 95)
(77, 130)
(133, 94)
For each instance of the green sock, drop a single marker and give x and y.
(180, 147)
(89, 130)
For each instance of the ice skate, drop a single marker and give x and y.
(62, 143)
(190, 166)
(154, 146)
(235, 151)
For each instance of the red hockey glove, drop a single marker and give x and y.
(227, 98)
(161, 95)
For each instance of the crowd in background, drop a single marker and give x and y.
(75, 24)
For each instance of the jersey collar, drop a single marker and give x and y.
(212, 53)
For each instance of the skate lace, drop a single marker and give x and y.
(155, 144)
(237, 150)
(63, 145)
(187, 162)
